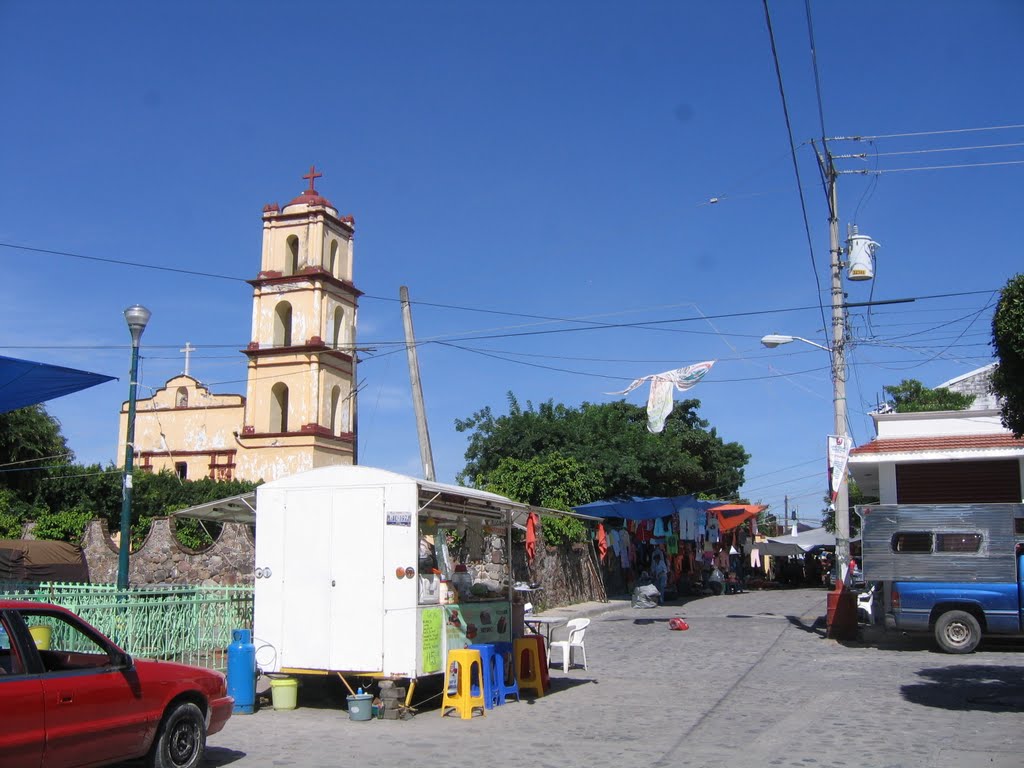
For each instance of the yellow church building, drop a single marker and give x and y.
(299, 409)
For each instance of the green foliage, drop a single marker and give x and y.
(1008, 342)
(855, 497)
(611, 439)
(65, 525)
(911, 396)
(196, 534)
(553, 481)
(97, 491)
(561, 531)
(30, 438)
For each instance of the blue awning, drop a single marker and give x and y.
(644, 507)
(24, 383)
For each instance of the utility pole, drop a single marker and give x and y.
(838, 352)
(426, 455)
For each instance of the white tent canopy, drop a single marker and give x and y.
(798, 544)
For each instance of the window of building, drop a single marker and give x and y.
(335, 405)
(181, 469)
(181, 398)
(912, 542)
(291, 256)
(339, 319)
(283, 325)
(957, 542)
(279, 408)
(332, 265)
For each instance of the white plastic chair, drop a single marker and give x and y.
(577, 628)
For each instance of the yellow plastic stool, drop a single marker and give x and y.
(464, 700)
(529, 674)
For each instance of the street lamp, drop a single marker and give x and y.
(136, 316)
(842, 500)
(772, 340)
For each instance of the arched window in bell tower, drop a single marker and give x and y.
(283, 325)
(279, 408)
(291, 256)
(335, 414)
(339, 319)
(332, 265)
(181, 400)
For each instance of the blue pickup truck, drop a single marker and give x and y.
(953, 570)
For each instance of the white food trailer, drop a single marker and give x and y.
(340, 583)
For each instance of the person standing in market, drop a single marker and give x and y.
(659, 571)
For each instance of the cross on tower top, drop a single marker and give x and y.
(312, 175)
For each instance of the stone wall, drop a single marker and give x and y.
(162, 559)
(567, 575)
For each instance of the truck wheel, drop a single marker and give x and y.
(957, 632)
(181, 740)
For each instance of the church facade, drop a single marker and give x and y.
(299, 408)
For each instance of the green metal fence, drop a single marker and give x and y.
(191, 625)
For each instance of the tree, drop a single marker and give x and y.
(856, 497)
(911, 396)
(1008, 341)
(688, 457)
(552, 481)
(30, 439)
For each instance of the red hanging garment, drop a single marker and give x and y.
(602, 542)
(531, 536)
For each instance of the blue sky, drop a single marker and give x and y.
(513, 160)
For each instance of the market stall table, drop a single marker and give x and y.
(544, 625)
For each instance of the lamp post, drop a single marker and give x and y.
(842, 503)
(136, 316)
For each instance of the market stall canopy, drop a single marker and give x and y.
(24, 383)
(644, 507)
(734, 515)
(32, 560)
(782, 546)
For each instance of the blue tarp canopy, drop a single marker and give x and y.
(644, 508)
(24, 383)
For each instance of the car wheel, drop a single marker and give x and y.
(181, 740)
(957, 632)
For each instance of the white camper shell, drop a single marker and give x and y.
(339, 586)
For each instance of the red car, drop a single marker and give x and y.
(70, 698)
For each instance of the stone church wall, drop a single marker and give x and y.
(162, 559)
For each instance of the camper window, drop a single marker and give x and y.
(1018, 526)
(957, 542)
(912, 542)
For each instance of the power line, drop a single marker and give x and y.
(120, 262)
(926, 133)
(864, 155)
(866, 172)
(796, 166)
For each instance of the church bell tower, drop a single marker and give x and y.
(300, 399)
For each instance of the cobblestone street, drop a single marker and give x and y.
(753, 682)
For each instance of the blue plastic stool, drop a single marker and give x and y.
(506, 683)
(491, 664)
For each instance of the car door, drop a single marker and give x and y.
(21, 700)
(93, 704)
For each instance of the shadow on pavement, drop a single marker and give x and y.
(816, 627)
(216, 756)
(969, 687)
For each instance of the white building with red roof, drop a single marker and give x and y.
(943, 457)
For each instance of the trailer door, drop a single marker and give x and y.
(307, 575)
(357, 574)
